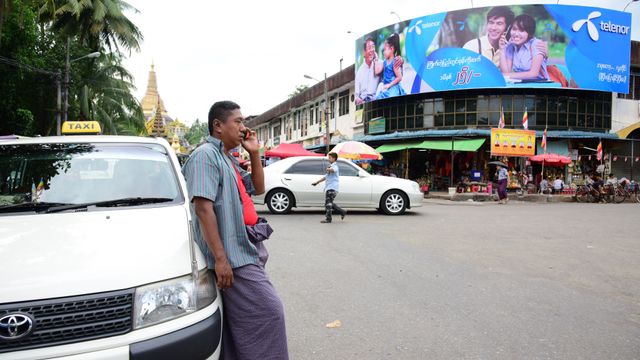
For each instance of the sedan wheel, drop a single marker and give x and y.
(280, 202)
(393, 203)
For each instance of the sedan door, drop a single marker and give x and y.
(355, 190)
(298, 179)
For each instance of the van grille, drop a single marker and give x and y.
(72, 319)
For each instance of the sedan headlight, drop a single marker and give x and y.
(167, 300)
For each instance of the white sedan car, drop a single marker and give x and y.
(288, 185)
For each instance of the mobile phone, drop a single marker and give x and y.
(507, 33)
(246, 133)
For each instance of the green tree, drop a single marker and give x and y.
(99, 24)
(197, 132)
(299, 90)
(106, 95)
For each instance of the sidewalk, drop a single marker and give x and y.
(484, 197)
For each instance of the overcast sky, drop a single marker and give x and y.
(256, 52)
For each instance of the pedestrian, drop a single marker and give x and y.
(558, 185)
(503, 178)
(331, 189)
(254, 324)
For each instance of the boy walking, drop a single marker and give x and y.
(331, 189)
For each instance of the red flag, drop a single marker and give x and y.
(501, 123)
(525, 120)
(599, 151)
(543, 144)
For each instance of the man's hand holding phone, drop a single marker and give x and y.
(250, 140)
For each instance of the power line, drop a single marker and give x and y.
(16, 63)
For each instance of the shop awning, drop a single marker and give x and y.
(396, 147)
(458, 145)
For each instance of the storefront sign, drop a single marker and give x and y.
(511, 142)
(548, 46)
(377, 125)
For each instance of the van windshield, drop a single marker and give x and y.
(34, 175)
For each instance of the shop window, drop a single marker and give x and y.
(448, 119)
(506, 103)
(590, 120)
(530, 103)
(514, 118)
(571, 120)
(471, 105)
(411, 109)
(532, 119)
(495, 103)
(471, 119)
(582, 120)
(343, 103)
(401, 124)
(541, 118)
(541, 104)
(393, 124)
(425, 121)
(483, 103)
(494, 119)
(606, 123)
(606, 108)
(483, 119)
(438, 106)
(419, 108)
(460, 106)
(598, 110)
(439, 120)
(410, 122)
(634, 88)
(449, 106)
(552, 118)
(518, 103)
(460, 119)
(428, 107)
(393, 112)
(401, 111)
(598, 121)
(386, 113)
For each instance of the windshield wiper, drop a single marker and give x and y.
(28, 206)
(132, 201)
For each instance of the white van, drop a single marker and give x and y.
(97, 253)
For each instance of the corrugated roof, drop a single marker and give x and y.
(398, 135)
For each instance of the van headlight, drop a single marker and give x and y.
(167, 300)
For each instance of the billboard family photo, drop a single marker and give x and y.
(550, 46)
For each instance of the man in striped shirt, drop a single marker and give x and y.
(219, 190)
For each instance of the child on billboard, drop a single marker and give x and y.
(391, 76)
(520, 57)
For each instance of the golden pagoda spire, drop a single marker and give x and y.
(151, 97)
(158, 129)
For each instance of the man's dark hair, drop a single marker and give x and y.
(501, 11)
(333, 155)
(369, 38)
(526, 23)
(221, 111)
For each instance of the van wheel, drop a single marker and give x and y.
(280, 201)
(393, 202)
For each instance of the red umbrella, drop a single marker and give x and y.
(551, 159)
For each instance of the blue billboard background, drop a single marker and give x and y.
(577, 47)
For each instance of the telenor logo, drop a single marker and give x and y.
(604, 26)
(593, 31)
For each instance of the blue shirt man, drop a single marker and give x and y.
(331, 189)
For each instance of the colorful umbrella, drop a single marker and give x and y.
(356, 150)
(551, 159)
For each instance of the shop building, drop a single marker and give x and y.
(443, 136)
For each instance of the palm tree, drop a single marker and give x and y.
(99, 24)
(107, 96)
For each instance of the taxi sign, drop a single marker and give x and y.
(81, 127)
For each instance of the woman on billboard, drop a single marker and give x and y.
(520, 57)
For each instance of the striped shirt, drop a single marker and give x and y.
(210, 175)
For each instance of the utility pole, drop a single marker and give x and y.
(326, 112)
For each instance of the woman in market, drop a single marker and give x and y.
(503, 178)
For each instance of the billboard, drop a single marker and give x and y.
(519, 46)
(512, 142)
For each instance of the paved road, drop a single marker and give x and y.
(462, 281)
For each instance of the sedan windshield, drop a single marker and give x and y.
(35, 177)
